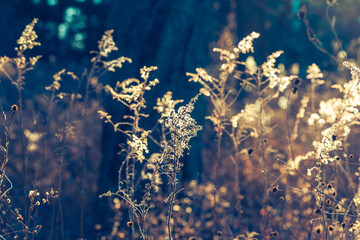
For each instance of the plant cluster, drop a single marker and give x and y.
(281, 161)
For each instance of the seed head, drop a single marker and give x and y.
(14, 108)
(343, 225)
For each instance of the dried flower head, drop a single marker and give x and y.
(165, 104)
(246, 44)
(182, 127)
(117, 63)
(138, 145)
(14, 108)
(314, 72)
(271, 72)
(132, 89)
(107, 44)
(28, 37)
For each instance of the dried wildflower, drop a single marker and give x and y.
(33, 193)
(28, 38)
(14, 108)
(117, 63)
(182, 127)
(33, 138)
(56, 83)
(165, 104)
(145, 71)
(132, 89)
(330, 228)
(129, 223)
(269, 69)
(139, 146)
(104, 115)
(330, 109)
(355, 71)
(327, 145)
(246, 44)
(246, 116)
(271, 73)
(107, 44)
(314, 72)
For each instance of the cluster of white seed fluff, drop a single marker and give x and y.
(182, 127)
(271, 72)
(165, 104)
(345, 111)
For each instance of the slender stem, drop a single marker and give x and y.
(23, 149)
(262, 148)
(216, 182)
(85, 146)
(172, 196)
